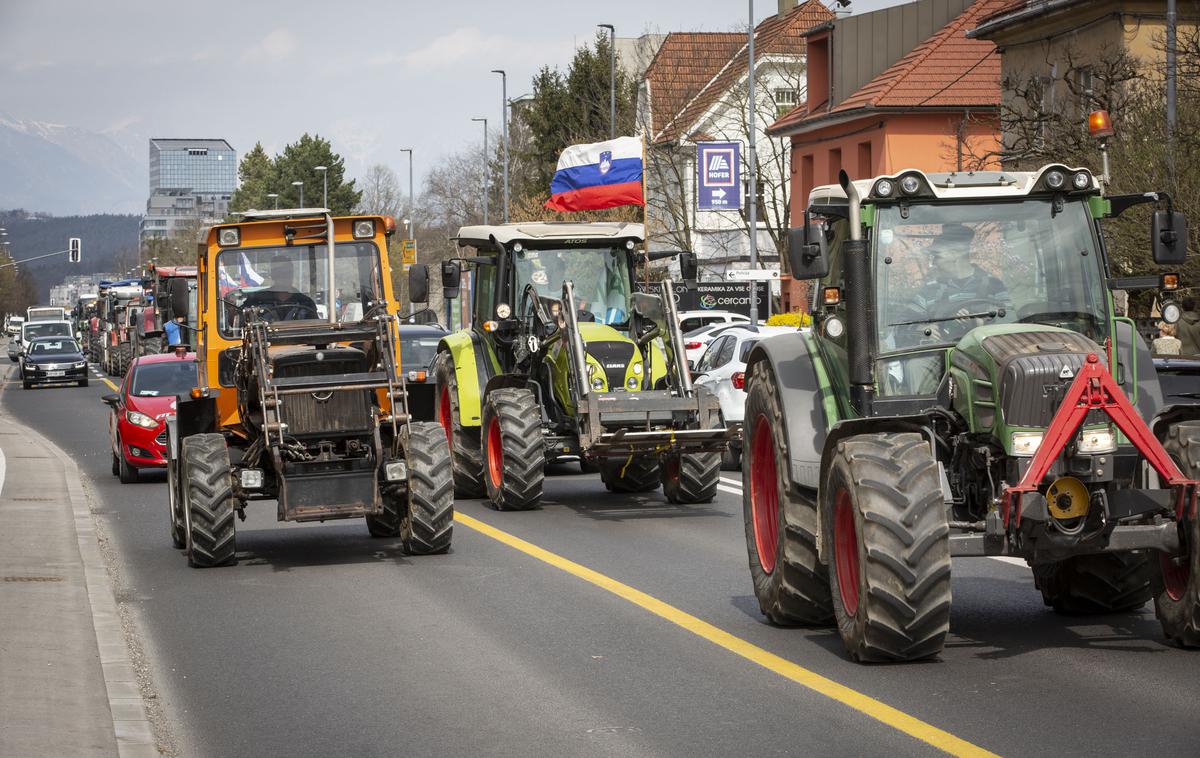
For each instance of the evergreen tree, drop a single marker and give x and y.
(297, 162)
(256, 179)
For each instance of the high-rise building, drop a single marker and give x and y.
(190, 180)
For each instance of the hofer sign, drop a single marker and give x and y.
(719, 176)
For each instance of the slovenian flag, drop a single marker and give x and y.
(599, 175)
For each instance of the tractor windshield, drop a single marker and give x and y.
(288, 283)
(600, 277)
(942, 270)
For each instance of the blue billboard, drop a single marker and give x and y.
(719, 176)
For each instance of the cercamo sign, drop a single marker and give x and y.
(715, 296)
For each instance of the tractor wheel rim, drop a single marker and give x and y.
(444, 413)
(495, 453)
(1175, 576)
(845, 548)
(764, 494)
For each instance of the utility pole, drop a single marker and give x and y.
(752, 167)
(412, 201)
(504, 121)
(612, 79)
(1171, 48)
(485, 170)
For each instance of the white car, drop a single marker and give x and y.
(690, 321)
(31, 330)
(696, 341)
(722, 370)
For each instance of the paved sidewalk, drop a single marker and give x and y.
(67, 687)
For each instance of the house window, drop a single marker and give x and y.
(866, 167)
(785, 100)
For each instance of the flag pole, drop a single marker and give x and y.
(645, 218)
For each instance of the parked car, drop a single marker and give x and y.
(692, 320)
(418, 348)
(32, 330)
(13, 326)
(137, 427)
(722, 370)
(53, 359)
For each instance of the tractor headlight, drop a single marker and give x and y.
(1055, 179)
(364, 230)
(1026, 443)
(395, 471)
(251, 478)
(503, 310)
(910, 185)
(1171, 313)
(598, 383)
(1097, 441)
(140, 419)
(229, 237)
(884, 188)
(1081, 180)
(632, 383)
(637, 369)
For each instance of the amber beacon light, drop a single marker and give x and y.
(1099, 124)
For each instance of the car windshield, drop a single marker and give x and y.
(417, 352)
(164, 378)
(944, 269)
(288, 283)
(600, 277)
(47, 329)
(53, 347)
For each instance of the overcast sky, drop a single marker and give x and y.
(372, 76)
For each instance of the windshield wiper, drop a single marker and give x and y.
(983, 314)
(1190, 395)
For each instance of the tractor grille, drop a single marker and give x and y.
(615, 357)
(324, 412)
(1031, 364)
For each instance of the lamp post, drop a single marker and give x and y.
(275, 197)
(485, 169)
(301, 186)
(612, 79)
(411, 200)
(324, 184)
(752, 168)
(504, 121)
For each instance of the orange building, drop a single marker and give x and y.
(899, 88)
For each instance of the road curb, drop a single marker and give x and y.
(135, 737)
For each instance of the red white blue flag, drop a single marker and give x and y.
(598, 175)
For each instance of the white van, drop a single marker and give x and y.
(45, 313)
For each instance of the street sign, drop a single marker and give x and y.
(408, 252)
(719, 176)
(74, 250)
(751, 275)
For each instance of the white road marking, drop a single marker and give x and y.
(730, 490)
(1010, 559)
(731, 480)
(3, 471)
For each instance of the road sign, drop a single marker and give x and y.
(751, 275)
(719, 176)
(408, 252)
(74, 250)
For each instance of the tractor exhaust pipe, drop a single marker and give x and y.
(858, 306)
(330, 284)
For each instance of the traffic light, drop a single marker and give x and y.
(74, 250)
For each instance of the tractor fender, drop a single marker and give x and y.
(1172, 414)
(472, 370)
(794, 364)
(516, 382)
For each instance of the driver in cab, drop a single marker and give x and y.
(279, 300)
(959, 294)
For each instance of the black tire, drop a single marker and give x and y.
(624, 475)
(887, 539)
(731, 457)
(82, 382)
(1175, 580)
(116, 465)
(126, 473)
(210, 502)
(1093, 584)
(124, 357)
(514, 449)
(387, 524)
(150, 346)
(793, 587)
(26, 385)
(587, 466)
(175, 517)
(689, 478)
(465, 451)
(430, 527)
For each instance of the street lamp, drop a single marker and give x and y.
(301, 186)
(324, 184)
(504, 121)
(485, 170)
(411, 200)
(275, 197)
(612, 79)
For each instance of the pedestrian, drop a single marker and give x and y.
(1188, 328)
(1166, 343)
(174, 330)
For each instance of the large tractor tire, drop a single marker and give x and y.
(689, 478)
(888, 543)
(1176, 582)
(466, 453)
(124, 356)
(177, 520)
(208, 483)
(515, 452)
(430, 492)
(624, 475)
(1094, 584)
(150, 346)
(790, 582)
(387, 524)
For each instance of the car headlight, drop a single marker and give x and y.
(1026, 443)
(1097, 441)
(80, 364)
(140, 419)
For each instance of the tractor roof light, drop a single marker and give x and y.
(1055, 179)
(1100, 125)
(389, 226)
(364, 229)
(229, 237)
(885, 188)
(910, 185)
(1081, 180)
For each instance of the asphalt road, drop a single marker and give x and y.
(323, 641)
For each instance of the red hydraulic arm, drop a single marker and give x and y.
(1095, 390)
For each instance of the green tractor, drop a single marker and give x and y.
(967, 390)
(565, 358)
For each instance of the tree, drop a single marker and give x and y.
(298, 162)
(256, 179)
(381, 193)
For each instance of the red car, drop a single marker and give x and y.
(137, 428)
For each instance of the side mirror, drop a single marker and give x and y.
(451, 279)
(806, 253)
(1168, 237)
(687, 266)
(418, 283)
(177, 299)
(111, 400)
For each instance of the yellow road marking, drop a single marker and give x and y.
(864, 704)
(114, 387)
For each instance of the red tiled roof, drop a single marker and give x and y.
(686, 62)
(775, 35)
(946, 70)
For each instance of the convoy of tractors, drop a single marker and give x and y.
(929, 413)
